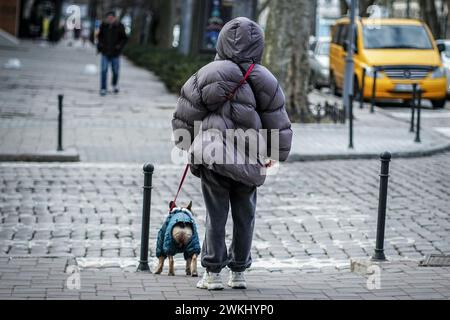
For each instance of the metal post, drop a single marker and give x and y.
(335, 113)
(350, 118)
(384, 178)
(349, 63)
(419, 108)
(408, 9)
(60, 120)
(186, 29)
(318, 112)
(374, 90)
(146, 206)
(413, 107)
(363, 87)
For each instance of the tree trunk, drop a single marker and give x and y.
(164, 27)
(430, 16)
(344, 7)
(364, 5)
(286, 54)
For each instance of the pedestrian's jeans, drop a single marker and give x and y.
(115, 64)
(218, 193)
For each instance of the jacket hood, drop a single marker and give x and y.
(240, 40)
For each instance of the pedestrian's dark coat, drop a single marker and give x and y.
(166, 246)
(111, 39)
(258, 104)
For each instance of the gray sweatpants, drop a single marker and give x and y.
(219, 192)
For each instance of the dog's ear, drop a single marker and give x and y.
(189, 206)
(171, 205)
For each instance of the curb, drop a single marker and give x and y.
(296, 157)
(52, 156)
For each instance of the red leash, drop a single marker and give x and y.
(247, 74)
(173, 203)
(229, 97)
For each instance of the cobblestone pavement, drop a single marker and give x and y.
(439, 120)
(312, 217)
(52, 278)
(134, 126)
(129, 127)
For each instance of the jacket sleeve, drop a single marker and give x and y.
(272, 112)
(190, 108)
(122, 38)
(100, 38)
(160, 240)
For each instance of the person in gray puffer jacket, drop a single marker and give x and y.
(217, 98)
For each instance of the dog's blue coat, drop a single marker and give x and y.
(166, 246)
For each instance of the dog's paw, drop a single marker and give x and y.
(158, 271)
(188, 272)
(194, 274)
(171, 274)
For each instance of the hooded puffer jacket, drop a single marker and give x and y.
(258, 104)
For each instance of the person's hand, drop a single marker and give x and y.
(270, 163)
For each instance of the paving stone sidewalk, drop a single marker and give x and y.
(60, 278)
(134, 126)
(312, 219)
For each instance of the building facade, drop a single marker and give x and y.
(9, 16)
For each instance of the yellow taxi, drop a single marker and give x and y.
(399, 52)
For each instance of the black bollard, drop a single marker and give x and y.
(350, 118)
(335, 113)
(413, 107)
(363, 87)
(419, 109)
(374, 90)
(318, 112)
(384, 178)
(146, 206)
(60, 120)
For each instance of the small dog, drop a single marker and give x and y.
(178, 235)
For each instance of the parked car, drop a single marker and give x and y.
(445, 54)
(403, 52)
(319, 60)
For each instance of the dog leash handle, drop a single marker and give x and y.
(173, 203)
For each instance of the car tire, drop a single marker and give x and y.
(438, 104)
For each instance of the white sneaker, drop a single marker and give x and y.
(237, 280)
(210, 281)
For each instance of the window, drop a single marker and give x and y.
(343, 35)
(396, 37)
(447, 50)
(323, 49)
(336, 31)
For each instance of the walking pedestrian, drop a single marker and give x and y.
(111, 41)
(234, 92)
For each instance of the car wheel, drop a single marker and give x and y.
(438, 104)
